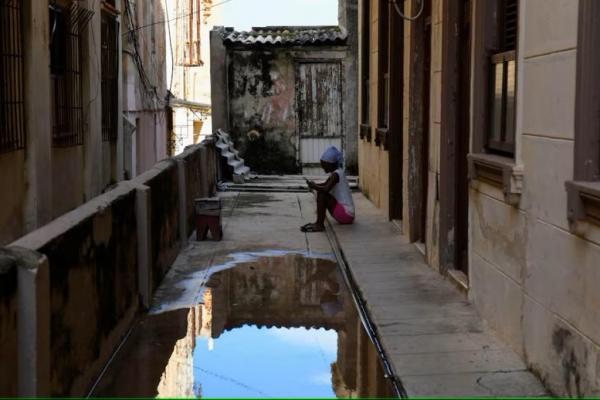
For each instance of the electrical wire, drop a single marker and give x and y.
(171, 48)
(149, 89)
(413, 18)
(173, 19)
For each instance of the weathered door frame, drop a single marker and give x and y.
(318, 60)
(418, 120)
(396, 113)
(454, 136)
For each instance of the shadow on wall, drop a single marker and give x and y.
(268, 156)
(102, 262)
(262, 110)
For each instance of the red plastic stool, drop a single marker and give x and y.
(208, 218)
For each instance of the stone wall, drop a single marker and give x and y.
(104, 259)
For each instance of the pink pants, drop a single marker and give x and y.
(338, 212)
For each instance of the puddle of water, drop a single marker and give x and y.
(281, 325)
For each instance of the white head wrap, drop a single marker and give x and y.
(332, 155)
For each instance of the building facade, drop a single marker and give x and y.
(283, 94)
(146, 115)
(68, 99)
(478, 135)
(188, 72)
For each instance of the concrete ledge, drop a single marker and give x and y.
(42, 236)
(25, 350)
(72, 288)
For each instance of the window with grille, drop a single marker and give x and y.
(65, 71)
(188, 29)
(12, 124)
(109, 79)
(503, 81)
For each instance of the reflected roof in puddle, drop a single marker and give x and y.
(281, 325)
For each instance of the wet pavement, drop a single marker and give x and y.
(264, 313)
(268, 326)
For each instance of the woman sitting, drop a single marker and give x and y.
(334, 194)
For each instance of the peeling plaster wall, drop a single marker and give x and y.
(164, 216)
(262, 103)
(261, 100)
(533, 280)
(200, 178)
(92, 253)
(95, 269)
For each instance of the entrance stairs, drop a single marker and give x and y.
(227, 150)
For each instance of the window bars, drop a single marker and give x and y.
(109, 78)
(12, 121)
(66, 26)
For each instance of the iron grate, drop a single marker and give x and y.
(12, 121)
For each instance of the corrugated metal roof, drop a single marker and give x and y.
(287, 35)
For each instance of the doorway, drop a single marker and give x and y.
(396, 112)
(319, 111)
(454, 187)
(418, 122)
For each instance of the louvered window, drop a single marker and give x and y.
(12, 124)
(503, 80)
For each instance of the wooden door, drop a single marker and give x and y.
(396, 112)
(462, 142)
(454, 191)
(419, 121)
(319, 111)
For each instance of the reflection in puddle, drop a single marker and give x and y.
(272, 327)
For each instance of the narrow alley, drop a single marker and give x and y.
(299, 198)
(220, 302)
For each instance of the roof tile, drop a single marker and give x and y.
(286, 35)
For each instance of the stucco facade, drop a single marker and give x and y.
(145, 87)
(48, 177)
(530, 272)
(46, 180)
(189, 80)
(531, 276)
